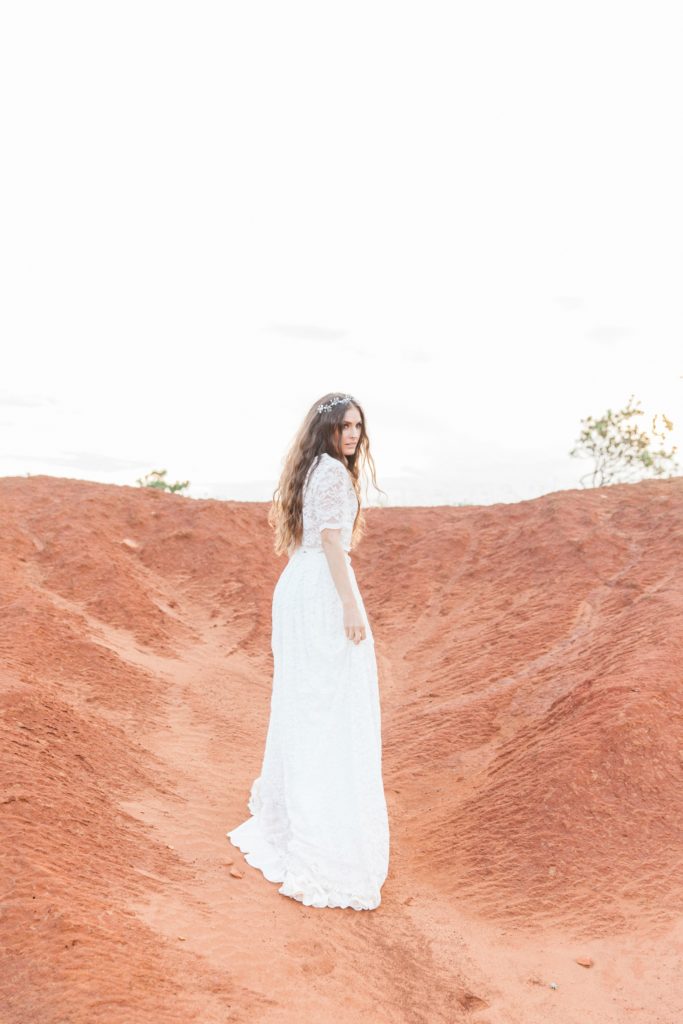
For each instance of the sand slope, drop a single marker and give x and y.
(531, 670)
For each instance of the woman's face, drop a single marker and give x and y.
(351, 430)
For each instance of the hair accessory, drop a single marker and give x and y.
(335, 401)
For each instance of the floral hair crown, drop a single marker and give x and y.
(323, 407)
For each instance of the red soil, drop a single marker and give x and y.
(531, 661)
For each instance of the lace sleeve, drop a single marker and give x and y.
(328, 497)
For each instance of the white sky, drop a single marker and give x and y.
(469, 215)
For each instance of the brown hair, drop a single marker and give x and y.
(320, 432)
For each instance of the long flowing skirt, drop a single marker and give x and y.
(319, 821)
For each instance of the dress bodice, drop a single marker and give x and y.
(329, 501)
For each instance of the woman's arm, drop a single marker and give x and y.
(354, 626)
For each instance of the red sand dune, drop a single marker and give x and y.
(531, 661)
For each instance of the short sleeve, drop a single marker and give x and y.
(329, 495)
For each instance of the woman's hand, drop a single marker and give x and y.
(354, 625)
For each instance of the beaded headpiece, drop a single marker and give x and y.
(324, 407)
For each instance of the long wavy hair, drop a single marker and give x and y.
(320, 432)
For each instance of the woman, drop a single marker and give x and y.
(319, 820)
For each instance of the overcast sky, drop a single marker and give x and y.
(470, 216)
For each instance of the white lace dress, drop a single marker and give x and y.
(319, 820)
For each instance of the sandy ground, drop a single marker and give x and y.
(531, 661)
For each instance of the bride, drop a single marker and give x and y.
(318, 822)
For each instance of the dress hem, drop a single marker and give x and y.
(303, 890)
